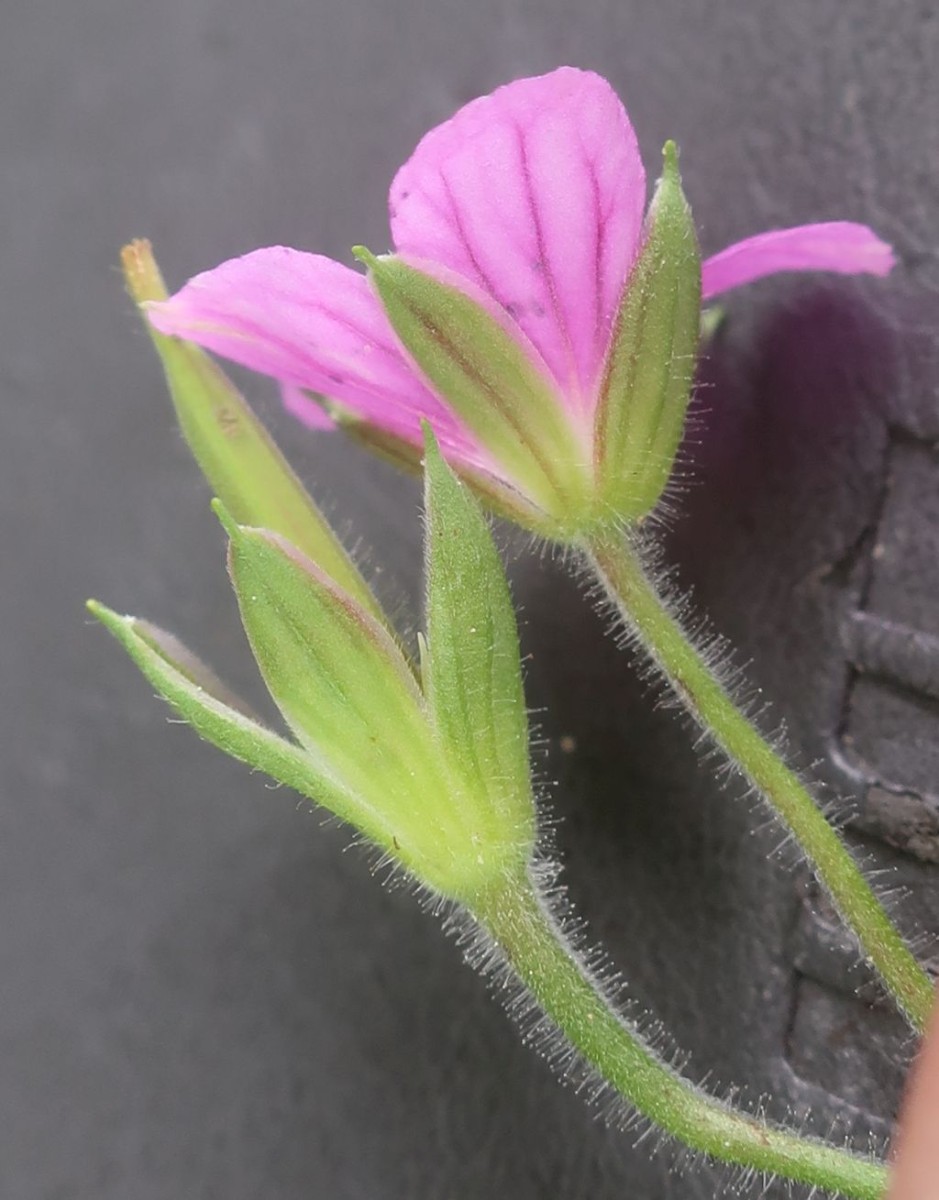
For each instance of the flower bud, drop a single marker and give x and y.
(433, 771)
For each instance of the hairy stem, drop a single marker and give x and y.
(619, 567)
(537, 952)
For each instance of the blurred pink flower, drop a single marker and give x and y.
(531, 199)
(915, 1173)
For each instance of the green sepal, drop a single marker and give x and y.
(353, 702)
(195, 692)
(471, 665)
(647, 382)
(235, 452)
(489, 381)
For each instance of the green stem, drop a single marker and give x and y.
(538, 953)
(618, 565)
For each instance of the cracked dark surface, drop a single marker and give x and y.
(200, 995)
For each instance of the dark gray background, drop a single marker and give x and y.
(201, 995)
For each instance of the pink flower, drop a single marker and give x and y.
(530, 200)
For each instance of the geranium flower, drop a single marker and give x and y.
(528, 204)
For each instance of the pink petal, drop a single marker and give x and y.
(301, 405)
(535, 194)
(312, 324)
(839, 246)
